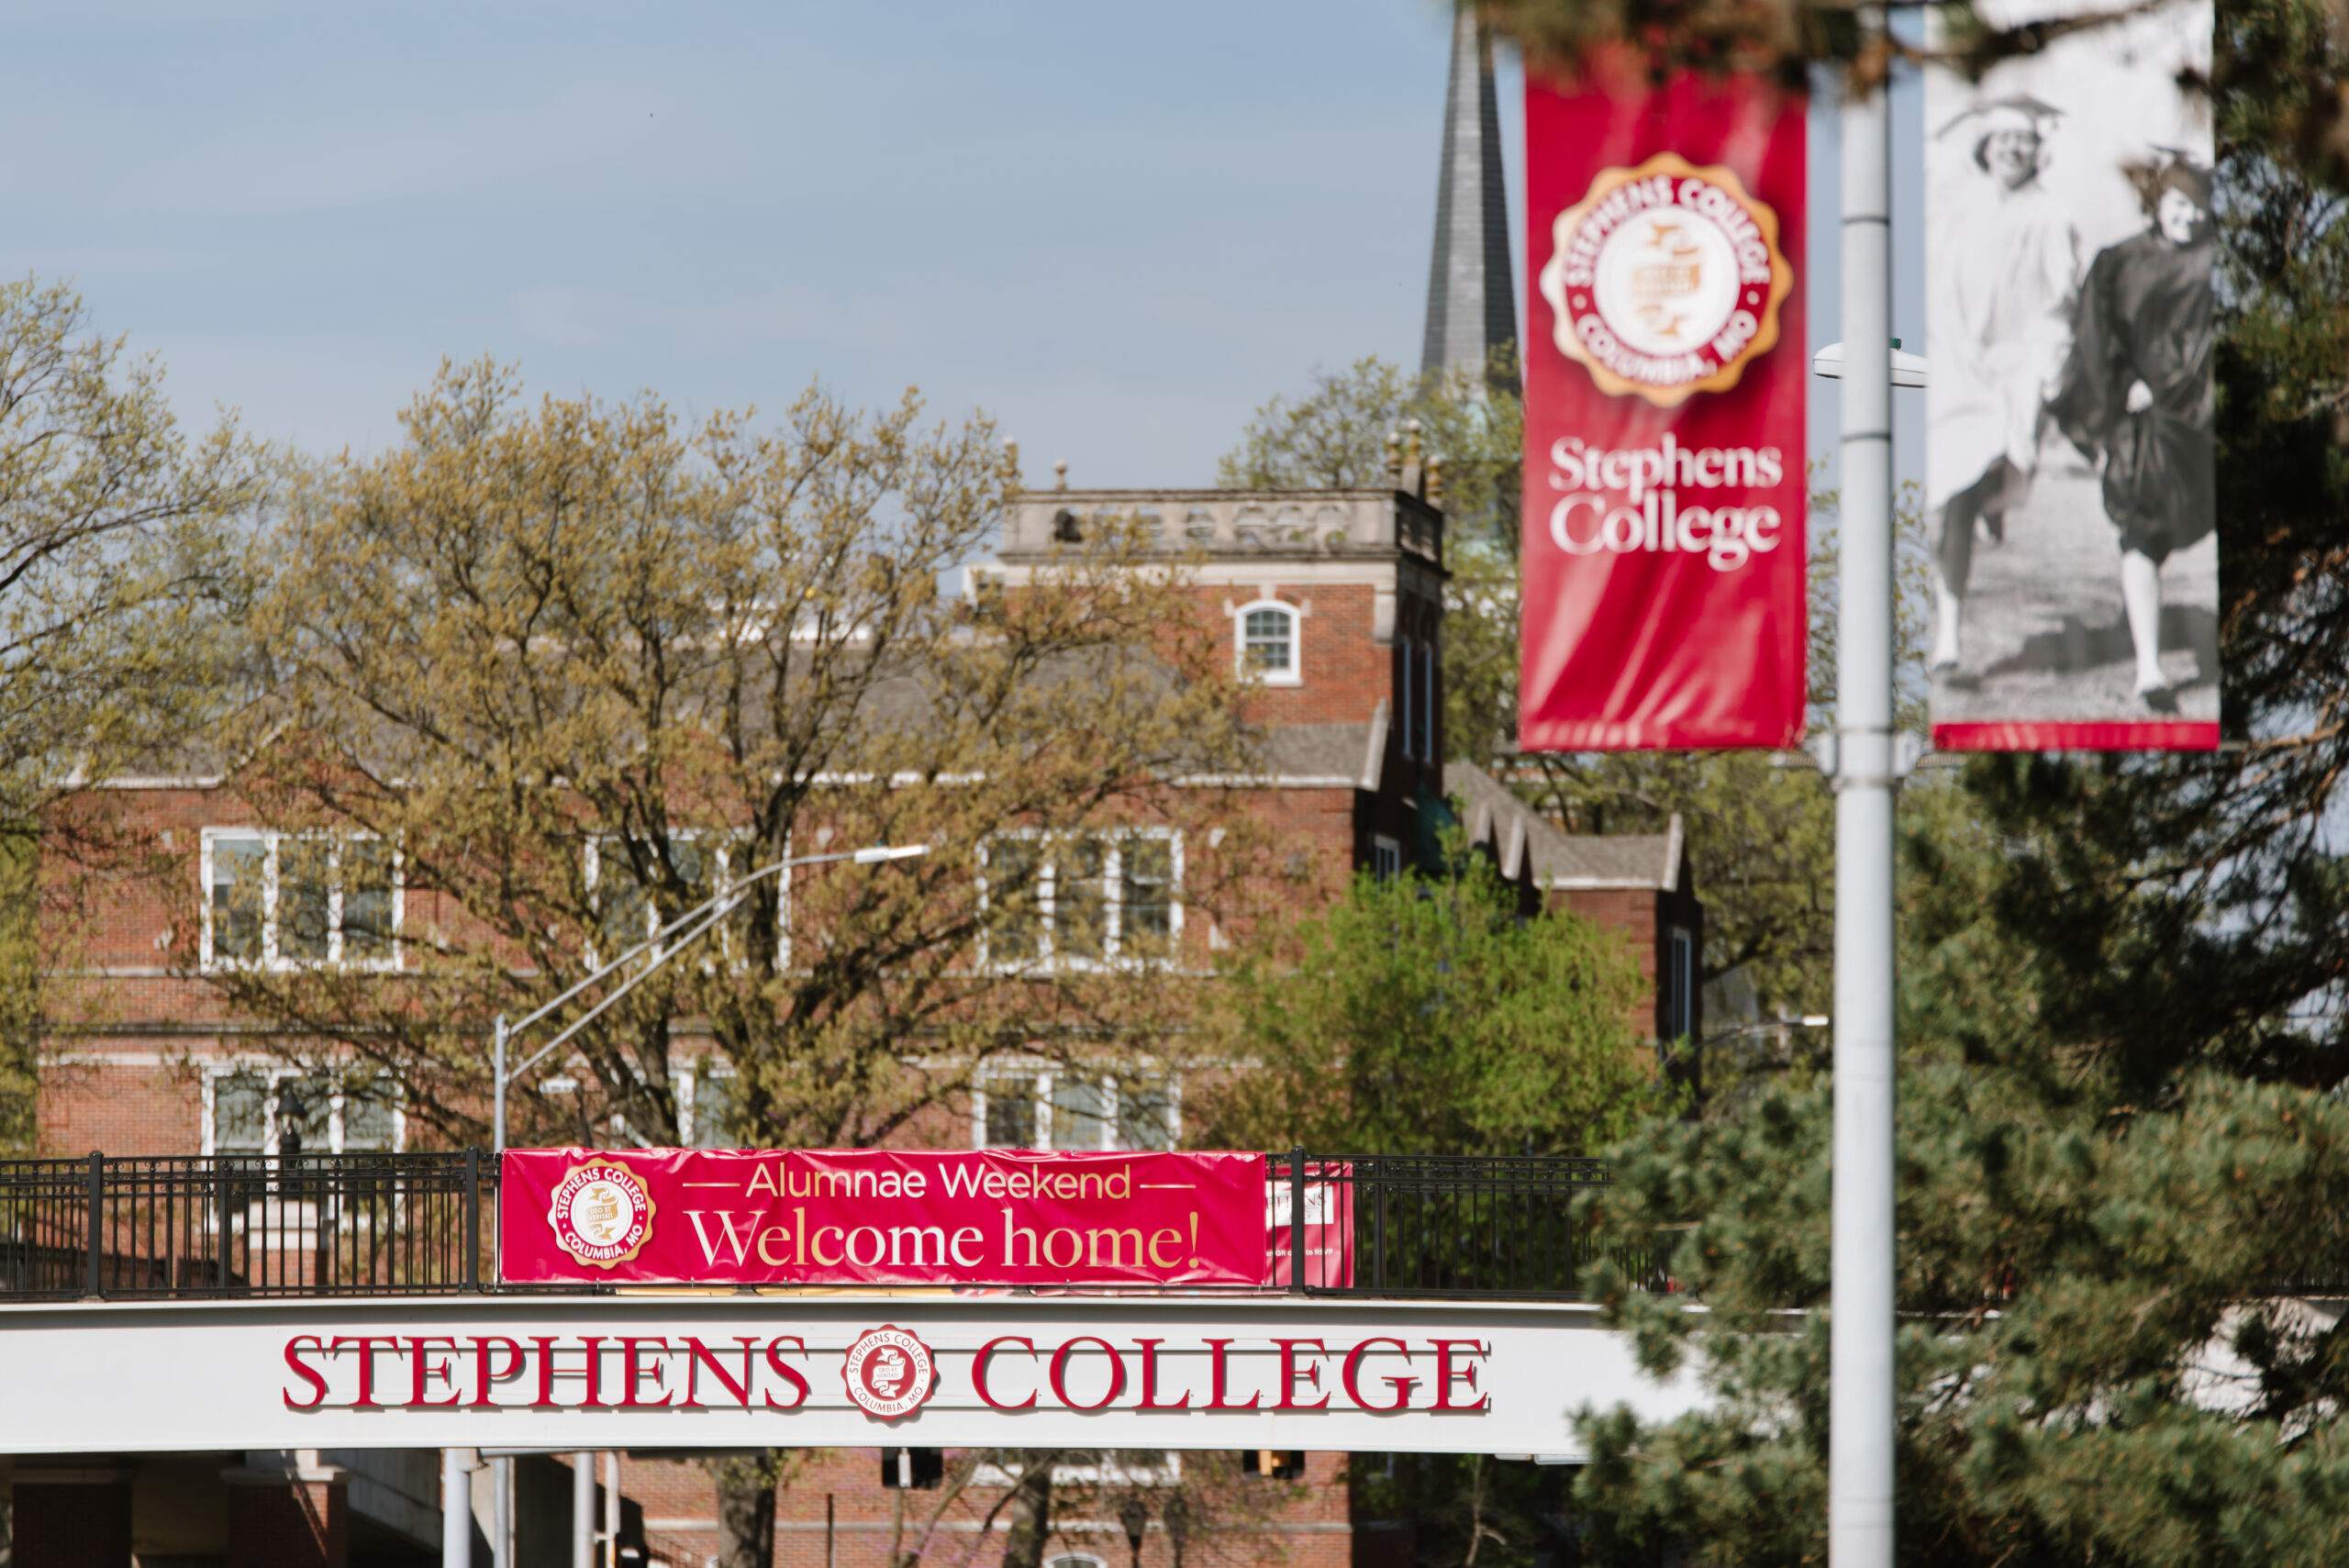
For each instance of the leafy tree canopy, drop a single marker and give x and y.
(1423, 1015)
(583, 665)
(121, 584)
(1761, 828)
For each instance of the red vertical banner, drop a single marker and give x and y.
(1664, 493)
(1329, 1250)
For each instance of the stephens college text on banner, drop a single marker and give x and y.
(1664, 493)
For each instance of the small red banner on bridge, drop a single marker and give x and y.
(883, 1217)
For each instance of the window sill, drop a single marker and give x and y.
(299, 966)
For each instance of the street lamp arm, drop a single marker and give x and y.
(632, 982)
(733, 892)
(707, 914)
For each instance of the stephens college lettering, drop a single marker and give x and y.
(1651, 517)
(1085, 1373)
(1663, 558)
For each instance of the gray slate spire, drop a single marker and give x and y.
(1471, 301)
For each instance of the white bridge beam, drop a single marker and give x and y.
(737, 1370)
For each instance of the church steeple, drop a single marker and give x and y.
(1471, 301)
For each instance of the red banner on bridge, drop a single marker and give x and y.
(882, 1217)
(1665, 385)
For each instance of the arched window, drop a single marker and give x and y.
(1270, 648)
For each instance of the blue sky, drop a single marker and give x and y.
(1116, 228)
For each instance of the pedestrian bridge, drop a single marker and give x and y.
(723, 1371)
(349, 1302)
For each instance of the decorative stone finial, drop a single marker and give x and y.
(1393, 453)
(1435, 481)
(1060, 475)
(1410, 442)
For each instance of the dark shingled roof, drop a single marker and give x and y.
(1517, 831)
(1325, 752)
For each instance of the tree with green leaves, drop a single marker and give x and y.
(120, 580)
(1423, 1015)
(1760, 826)
(575, 668)
(1335, 436)
(118, 554)
(572, 669)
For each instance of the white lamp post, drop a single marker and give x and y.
(1866, 759)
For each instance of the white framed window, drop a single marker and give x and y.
(1081, 901)
(1407, 648)
(705, 1108)
(628, 911)
(1269, 642)
(1386, 857)
(299, 900)
(1418, 701)
(1098, 1467)
(1425, 710)
(1417, 698)
(1085, 1112)
(1680, 986)
(260, 1110)
(1005, 1113)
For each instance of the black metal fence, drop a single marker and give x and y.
(1373, 1225)
(1435, 1226)
(239, 1225)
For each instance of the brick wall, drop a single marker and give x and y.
(71, 1521)
(1302, 1524)
(289, 1524)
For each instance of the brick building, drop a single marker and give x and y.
(1640, 884)
(1333, 599)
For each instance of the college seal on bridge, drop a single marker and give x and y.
(601, 1213)
(889, 1372)
(1666, 279)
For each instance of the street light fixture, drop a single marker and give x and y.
(708, 915)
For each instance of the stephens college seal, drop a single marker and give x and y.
(889, 1372)
(601, 1213)
(1666, 279)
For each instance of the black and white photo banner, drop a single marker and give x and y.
(2070, 510)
